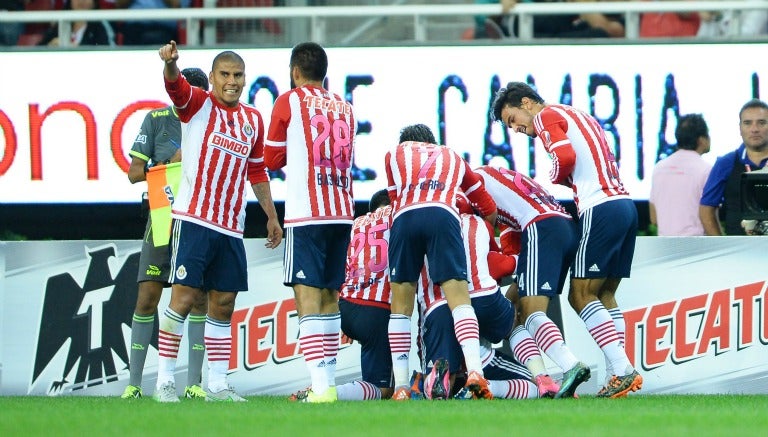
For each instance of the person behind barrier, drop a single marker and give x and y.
(678, 181)
(722, 192)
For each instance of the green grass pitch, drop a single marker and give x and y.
(637, 415)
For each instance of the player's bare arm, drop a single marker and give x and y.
(274, 231)
(170, 54)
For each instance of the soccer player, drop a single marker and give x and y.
(364, 301)
(423, 179)
(222, 145)
(312, 134)
(159, 142)
(534, 224)
(442, 355)
(583, 161)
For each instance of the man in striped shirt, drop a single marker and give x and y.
(583, 161)
(311, 134)
(222, 145)
(423, 179)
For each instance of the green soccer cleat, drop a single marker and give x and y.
(132, 392)
(571, 379)
(327, 396)
(194, 392)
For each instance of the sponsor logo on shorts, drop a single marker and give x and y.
(301, 275)
(181, 272)
(594, 268)
(154, 271)
(546, 286)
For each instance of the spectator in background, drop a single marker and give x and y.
(669, 24)
(752, 22)
(723, 187)
(82, 33)
(495, 26)
(577, 26)
(9, 32)
(150, 32)
(679, 179)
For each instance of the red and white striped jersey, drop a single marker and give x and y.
(222, 155)
(422, 174)
(428, 294)
(367, 278)
(477, 241)
(581, 155)
(519, 199)
(312, 133)
(477, 248)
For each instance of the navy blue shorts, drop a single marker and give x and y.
(207, 259)
(438, 338)
(369, 326)
(503, 367)
(316, 255)
(495, 316)
(432, 232)
(607, 245)
(548, 247)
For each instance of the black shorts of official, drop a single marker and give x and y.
(154, 261)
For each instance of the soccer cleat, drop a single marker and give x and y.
(402, 393)
(571, 379)
(417, 385)
(132, 392)
(300, 395)
(166, 393)
(619, 386)
(478, 385)
(328, 396)
(225, 395)
(547, 387)
(463, 395)
(437, 384)
(194, 392)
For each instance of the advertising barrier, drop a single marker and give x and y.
(695, 311)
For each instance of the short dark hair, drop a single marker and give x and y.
(227, 55)
(513, 95)
(754, 103)
(690, 128)
(379, 199)
(417, 132)
(311, 59)
(196, 77)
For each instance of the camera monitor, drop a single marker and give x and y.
(754, 195)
